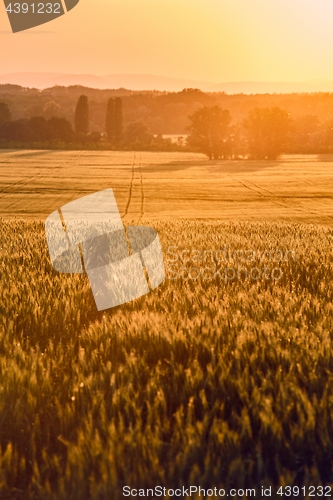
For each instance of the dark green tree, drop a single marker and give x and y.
(267, 132)
(114, 120)
(210, 132)
(5, 115)
(82, 115)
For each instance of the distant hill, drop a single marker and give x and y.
(272, 87)
(133, 82)
(160, 83)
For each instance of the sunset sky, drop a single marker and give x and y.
(209, 40)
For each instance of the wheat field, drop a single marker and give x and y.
(169, 185)
(225, 381)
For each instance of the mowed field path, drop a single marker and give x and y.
(169, 185)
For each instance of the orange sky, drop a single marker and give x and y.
(209, 40)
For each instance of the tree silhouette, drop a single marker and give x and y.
(5, 115)
(82, 115)
(267, 132)
(137, 133)
(209, 131)
(118, 119)
(50, 109)
(59, 129)
(114, 120)
(110, 120)
(37, 129)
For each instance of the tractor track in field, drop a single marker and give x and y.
(130, 192)
(285, 203)
(136, 188)
(252, 186)
(247, 184)
(142, 190)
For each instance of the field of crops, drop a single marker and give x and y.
(169, 185)
(200, 382)
(221, 377)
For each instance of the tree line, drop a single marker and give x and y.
(38, 131)
(264, 133)
(167, 112)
